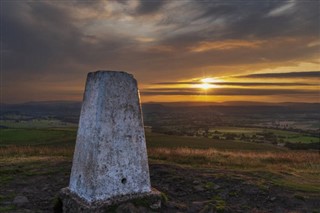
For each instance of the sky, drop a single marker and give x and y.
(178, 50)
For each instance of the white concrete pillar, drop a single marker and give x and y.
(110, 157)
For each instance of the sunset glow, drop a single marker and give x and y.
(206, 83)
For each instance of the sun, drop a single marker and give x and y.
(206, 83)
(205, 86)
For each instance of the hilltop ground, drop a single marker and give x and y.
(187, 189)
(222, 177)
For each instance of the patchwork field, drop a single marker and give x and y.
(286, 136)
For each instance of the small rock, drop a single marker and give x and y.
(196, 182)
(198, 188)
(216, 187)
(273, 199)
(20, 200)
(252, 191)
(201, 202)
(156, 205)
(27, 190)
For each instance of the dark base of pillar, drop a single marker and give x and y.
(69, 202)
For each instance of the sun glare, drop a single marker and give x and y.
(206, 83)
(205, 86)
(207, 80)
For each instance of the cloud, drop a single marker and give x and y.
(226, 45)
(313, 74)
(57, 43)
(247, 84)
(148, 7)
(283, 9)
(228, 92)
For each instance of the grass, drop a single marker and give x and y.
(238, 130)
(7, 208)
(20, 167)
(294, 137)
(238, 159)
(167, 141)
(297, 170)
(41, 151)
(35, 136)
(288, 136)
(154, 140)
(36, 124)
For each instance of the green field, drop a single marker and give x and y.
(238, 130)
(154, 140)
(37, 124)
(36, 136)
(286, 136)
(167, 141)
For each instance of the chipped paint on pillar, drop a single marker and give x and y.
(110, 157)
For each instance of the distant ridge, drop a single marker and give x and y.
(69, 111)
(185, 103)
(41, 102)
(230, 103)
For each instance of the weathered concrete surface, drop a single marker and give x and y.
(142, 202)
(110, 157)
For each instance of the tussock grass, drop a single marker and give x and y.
(23, 151)
(299, 170)
(211, 157)
(294, 159)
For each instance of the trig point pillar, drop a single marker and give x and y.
(110, 163)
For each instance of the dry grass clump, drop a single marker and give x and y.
(295, 159)
(21, 151)
(302, 160)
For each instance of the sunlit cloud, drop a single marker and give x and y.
(225, 45)
(228, 92)
(250, 84)
(312, 74)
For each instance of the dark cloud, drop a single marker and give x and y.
(245, 20)
(43, 38)
(312, 74)
(36, 35)
(250, 84)
(149, 6)
(228, 92)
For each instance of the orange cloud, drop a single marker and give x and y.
(225, 45)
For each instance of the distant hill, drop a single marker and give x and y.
(63, 110)
(70, 110)
(233, 103)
